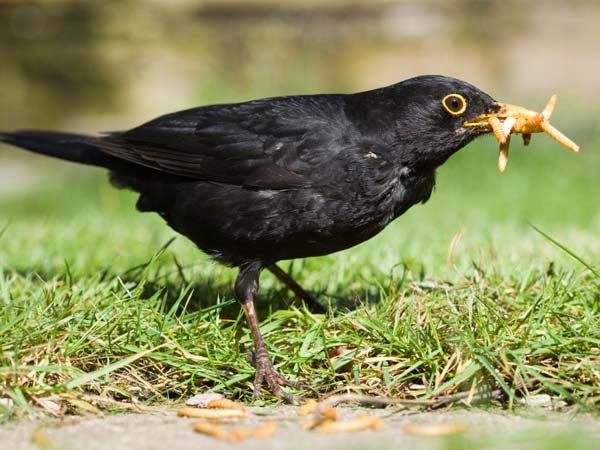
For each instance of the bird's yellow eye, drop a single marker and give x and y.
(455, 104)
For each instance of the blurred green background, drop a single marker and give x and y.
(97, 66)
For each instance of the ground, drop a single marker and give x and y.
(161, 430)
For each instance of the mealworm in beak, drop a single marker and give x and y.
(503, 155)
(559, 137)
(497, 129)
(508, 125)
(549, 108)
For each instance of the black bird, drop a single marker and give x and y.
(286, 177)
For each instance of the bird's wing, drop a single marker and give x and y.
(269, 143)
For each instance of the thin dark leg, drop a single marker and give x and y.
(246, 287)
(292, 285)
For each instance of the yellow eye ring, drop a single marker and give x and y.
(455, 104)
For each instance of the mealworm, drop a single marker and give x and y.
(497, 129)
(328, 412)
(363, 422)
(41, 439)
(214, 414)
(507, 126)
(549, 108)
(312, 423)
(210, 430)
(239, 434)
(559, 137)
(441, 429)
(266, 430)
(308, 408)
(225, 403)
(533, 123)
(503, 155)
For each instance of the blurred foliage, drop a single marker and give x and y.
(94, 64)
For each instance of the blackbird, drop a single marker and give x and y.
(288, 177)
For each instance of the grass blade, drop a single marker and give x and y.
(568, 251)
(91, 376)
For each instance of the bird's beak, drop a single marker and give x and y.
(501, 112)
(504, 119)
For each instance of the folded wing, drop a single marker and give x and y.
(268, 143)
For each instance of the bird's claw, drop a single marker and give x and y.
(508, 119)
(266, 373)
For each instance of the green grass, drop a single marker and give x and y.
(99, 310)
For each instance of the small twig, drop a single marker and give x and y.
(482, 395)
(387, 401)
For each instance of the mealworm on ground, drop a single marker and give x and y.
(328, 412)
(41, 439)
(309, 407)
(363, 422)
(210, 430)
(442, 429)
(239, 434)
(225, 403)
(214, 414)
(314, 423)
(266, 430)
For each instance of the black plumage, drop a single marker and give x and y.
(287, 177)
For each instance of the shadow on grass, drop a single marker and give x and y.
(206, 292)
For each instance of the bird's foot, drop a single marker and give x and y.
(266, 373)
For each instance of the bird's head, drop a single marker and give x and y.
(432, 114)
(435, 116)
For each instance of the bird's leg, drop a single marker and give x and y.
(293, 286)
(246, 287)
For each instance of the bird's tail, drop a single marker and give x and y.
(71, 147)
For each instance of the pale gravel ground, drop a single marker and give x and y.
(166, 431)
